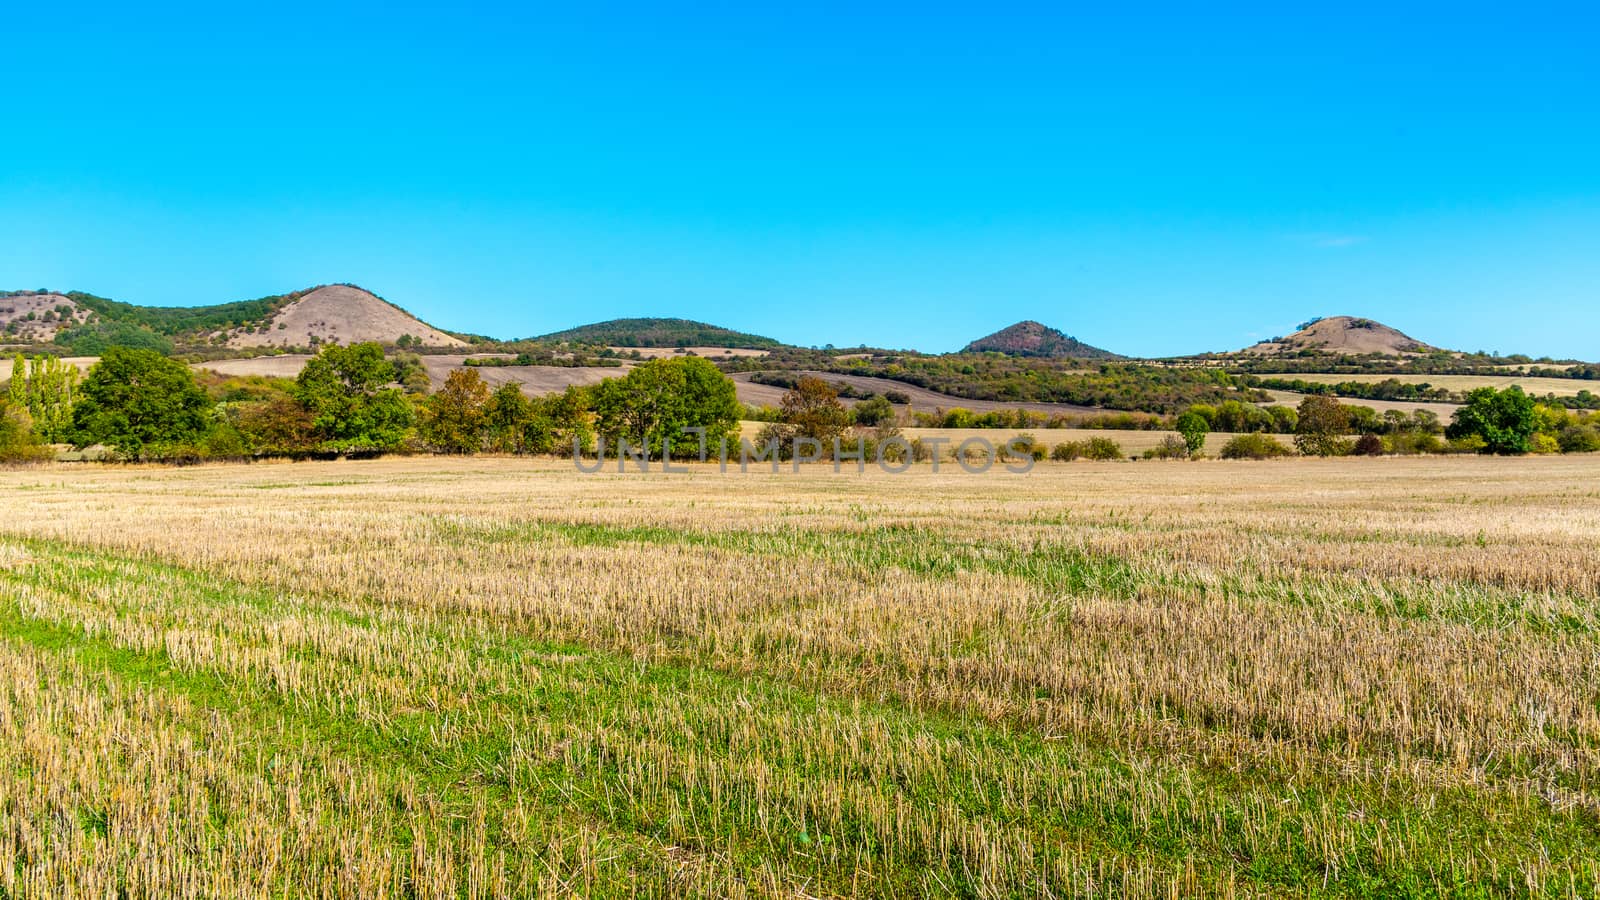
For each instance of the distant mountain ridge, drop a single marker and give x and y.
(83, 324)
(653, 332)
(1030, 338)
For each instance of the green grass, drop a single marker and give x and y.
(752, 779)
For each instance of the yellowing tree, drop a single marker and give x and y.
(454, 419)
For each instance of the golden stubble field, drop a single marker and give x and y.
(493, 677)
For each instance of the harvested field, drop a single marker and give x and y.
(498, 677)
(922, 399)
(708, 352)
(1443, 410)
(1129, 441)
(1561, 387)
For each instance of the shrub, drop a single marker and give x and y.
(874, 412)
(1102, 448)
(1368, 445)
(17, 442)
(1023, 446)
(1067, 452)
(1544, 443)
(1580, 439)
(1254, 446)
(1171, 447)
(1413, 442)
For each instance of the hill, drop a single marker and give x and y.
(1031, 338)
(1344, 335)
(660, 333)
(34, 317)
(86, 324)
(337, 312)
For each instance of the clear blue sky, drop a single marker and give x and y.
(1160, 181)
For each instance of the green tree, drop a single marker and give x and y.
(453, 419)
(1194, 429)
(140, 404)
(505, 418)
(874, 412)
(17, 388)
(652, 405)
(44, 386)
(1284, 419)
(1504, 420)
(353, 407)
(563, 420)
(1323, 422)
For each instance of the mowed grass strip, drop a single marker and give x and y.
(547, 767)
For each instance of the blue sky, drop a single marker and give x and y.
(1163, 180)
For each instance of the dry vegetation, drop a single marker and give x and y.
(421, 678)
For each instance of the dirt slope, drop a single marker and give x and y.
(344, 314)
(50, 312)
(1345, 334)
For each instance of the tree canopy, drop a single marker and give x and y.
(139, 403)
(353, 408)
(1505, 420)
(657, 400)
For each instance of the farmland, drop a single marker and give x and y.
(495, 677)
(1538, 386)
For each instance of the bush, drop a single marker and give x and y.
(1102, 448)
(1579, 439)
(1413, 442)
(17, 442)
(874, 412)
(1368, 445)
(1254, 446)
(1172, 447)
(1544, 443)
(1023, 446)
(1067, 452)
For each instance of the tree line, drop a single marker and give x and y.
(356, 401)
